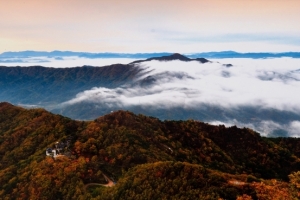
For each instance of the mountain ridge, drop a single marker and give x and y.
(175, 56)
(134, 150)
(220, 54)
(48, 84)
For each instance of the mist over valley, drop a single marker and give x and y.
(260, 94)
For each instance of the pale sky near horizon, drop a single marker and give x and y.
(150, 26)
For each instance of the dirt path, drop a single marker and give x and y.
(236, 182)
(109, 183)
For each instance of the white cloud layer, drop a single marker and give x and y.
(259, 83)
(62, 62)
(266, 127)
(269, 83)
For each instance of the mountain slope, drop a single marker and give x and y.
(130, 149)
(25, 133)
(173, 180)
(44, 86)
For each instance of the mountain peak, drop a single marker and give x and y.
(5, 105)
(171, 57)
(175, 56)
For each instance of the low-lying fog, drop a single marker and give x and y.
(261, 83)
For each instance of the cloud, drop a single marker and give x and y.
(267, 83)
(63, 62)
(267, 128)
(12, 61)
(232, 37)
(294, 129)
(261, 84)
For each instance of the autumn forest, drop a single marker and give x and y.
(126, 156)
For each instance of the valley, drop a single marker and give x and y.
(169, 87)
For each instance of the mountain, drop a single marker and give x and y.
(139, 156)
(169, 87)
(27, 54)
(46, 87)
(233, 54)
(43, 86)
(24, 54)
(175, 56)
(221, 54)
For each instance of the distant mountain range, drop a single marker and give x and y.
(221, 54)
(168, 87)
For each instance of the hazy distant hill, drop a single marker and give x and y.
(233, 54)
(175, 56)
(27, 54)
(221, 54)
(142, 155)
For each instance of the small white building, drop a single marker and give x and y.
(51, 152)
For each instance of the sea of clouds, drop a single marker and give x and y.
(261, 83)
(271, 83)
(268, 83)
(61, 62)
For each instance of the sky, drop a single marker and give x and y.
(133, 26)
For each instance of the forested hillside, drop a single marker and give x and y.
(25, 85)
(126, 156)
